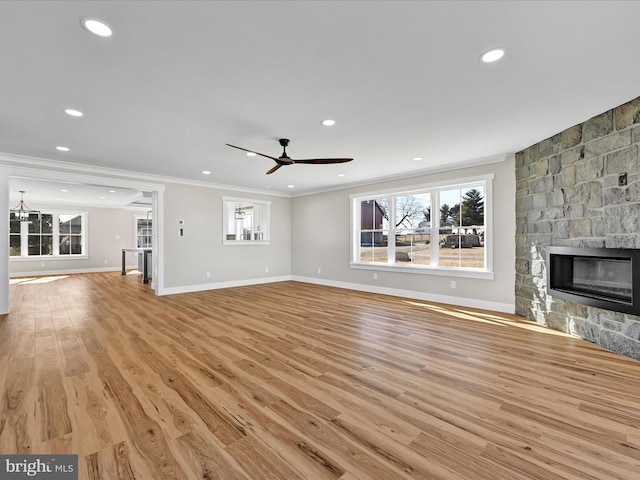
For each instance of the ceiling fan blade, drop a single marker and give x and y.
(252, 151)
(323, 161)
(274, 169)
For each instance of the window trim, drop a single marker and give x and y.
(391, 266)
(56, 239)
(266, 231)
(140, 216)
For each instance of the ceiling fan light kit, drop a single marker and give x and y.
(285, 159)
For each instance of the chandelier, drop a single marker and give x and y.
(21, 211)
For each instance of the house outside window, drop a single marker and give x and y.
(49, 234)
(71, 238)
(374, 230)
(438, 229)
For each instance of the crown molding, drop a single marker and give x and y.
(9, 159)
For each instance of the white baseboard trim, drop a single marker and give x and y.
(217, 285)
(428, 297)
(44, 273)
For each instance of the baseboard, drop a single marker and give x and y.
(428, 297)
(44, 273)
(217, 285)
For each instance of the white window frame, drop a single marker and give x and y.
(24, 236)
(434, 269)
(136, 217)
(259, 235)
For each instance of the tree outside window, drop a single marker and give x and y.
(398, 229)
(47, 234)
(462, 227)
(40, 239)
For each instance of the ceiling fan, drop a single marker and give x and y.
(285, 159)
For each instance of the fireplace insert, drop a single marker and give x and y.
(599, 277)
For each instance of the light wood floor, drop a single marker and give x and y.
(290, 381)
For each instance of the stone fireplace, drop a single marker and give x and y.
(580, 190)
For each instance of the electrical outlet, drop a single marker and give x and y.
(266, 269)
(453, 284)
(622, 180)
(106, 262)
(208, 274)
(375, 276)
(319, 270)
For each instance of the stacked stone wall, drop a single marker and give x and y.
(579, 188)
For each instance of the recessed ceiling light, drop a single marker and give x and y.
(290, 186)
(341, 174)
(64, 190)
(492, 55)
(417, 159)
(73, 113)
(112, 191)
(97, 27)
(62, 149)
(328, 122)
(103, 198)
(206, 172)
(251, 154)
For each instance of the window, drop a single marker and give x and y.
(245, 221)
(48, 235)
(144, 232)
(430, 229)
(71, 236)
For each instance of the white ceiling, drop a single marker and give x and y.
(42, 192)
(179, 79)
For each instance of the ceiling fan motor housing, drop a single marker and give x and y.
(284, 142)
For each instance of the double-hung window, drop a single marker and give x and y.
(144, 231)
(48, 234)
(440, 229)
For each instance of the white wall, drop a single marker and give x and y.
(321, 238)
(4, 241)
(104, 250)
(200, 250)
(307, 232)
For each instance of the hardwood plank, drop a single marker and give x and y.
(204, 456)
(146, 434)
(52, 415)
(339, 447)
(114, 462)
(297, 381)
(260, 462)
(18, 423)
(299, 451)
